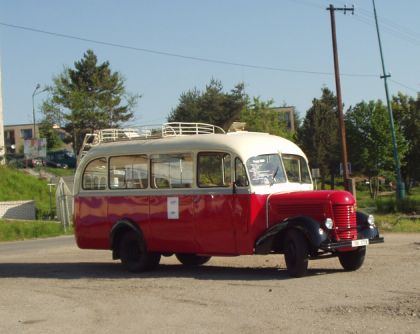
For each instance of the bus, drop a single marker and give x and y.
(197, 192)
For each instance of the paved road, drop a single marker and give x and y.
(51, 286)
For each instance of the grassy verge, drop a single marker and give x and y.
(20, 230)
(397, 222)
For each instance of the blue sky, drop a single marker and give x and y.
(282, 34)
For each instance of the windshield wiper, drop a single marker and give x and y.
(273, 177)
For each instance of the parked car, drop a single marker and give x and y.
(34, 162)
(60, 159)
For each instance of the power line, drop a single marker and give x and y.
(176, 55)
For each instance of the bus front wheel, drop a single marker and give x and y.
(296, 253)
(192, 259)
(134, 255)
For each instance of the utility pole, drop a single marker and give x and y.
(2, 144)
(346, 174)
(400, 183)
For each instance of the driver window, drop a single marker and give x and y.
(241, 180)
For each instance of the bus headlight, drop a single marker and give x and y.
(328, 223)
(371, 221)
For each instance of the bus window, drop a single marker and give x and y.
(296, 168)
(94, 175)
(213, 170)
(241, 179)
(128, 172)
(265, 169)
(171, 171)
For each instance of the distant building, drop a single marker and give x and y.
(286, 114)
(15, 135)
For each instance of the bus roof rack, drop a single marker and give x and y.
(171, 129)
(184, 128)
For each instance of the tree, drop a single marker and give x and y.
(212, 106)
(370, 144)
(88, 97)
(407, 116)
(319, 137)
(260, 117)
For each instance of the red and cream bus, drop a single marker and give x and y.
(197, 192)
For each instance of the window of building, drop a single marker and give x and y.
(95, 175)
(171, 171)
(128, 172)
(213, 169)
(26, 133)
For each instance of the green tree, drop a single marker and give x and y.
(88, 97)
(319, 137)
(407, 115)
(260, 117)
(213, 106)
(370, 144)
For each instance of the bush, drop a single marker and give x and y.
(386, 205)
(391, 205)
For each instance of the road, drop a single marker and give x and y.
(51, 286)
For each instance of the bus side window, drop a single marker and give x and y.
(213, 169)
(126, 172)
(171, 170)
(94, 175)
(241, 180)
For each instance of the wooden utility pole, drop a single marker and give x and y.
(346, 174)
(2, 144)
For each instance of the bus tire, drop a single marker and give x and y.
(351, 261)
(296, 253)
(134, 255)
(192, 259)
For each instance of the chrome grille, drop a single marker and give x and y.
(345, 222)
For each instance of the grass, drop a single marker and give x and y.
(396, 222)
(20, 230)
(58, 171)
(16, 185)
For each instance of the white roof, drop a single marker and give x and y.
(244, 144)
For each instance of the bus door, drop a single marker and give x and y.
(171, 206)
(213, 204)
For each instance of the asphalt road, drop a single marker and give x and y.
(51, 286)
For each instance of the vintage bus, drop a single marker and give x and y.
(196, 192)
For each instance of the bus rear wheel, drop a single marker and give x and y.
(351, 261)
(134, 255)
(296, 253)
(192, 259)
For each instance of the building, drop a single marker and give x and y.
(286, 114)
(15, 135)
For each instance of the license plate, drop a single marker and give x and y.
(361, 242)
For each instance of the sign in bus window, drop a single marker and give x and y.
(128, 172)
(214, 169)
(95, 175)
(171, 171)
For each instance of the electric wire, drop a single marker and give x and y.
(176, 55)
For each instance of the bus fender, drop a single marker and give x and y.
(364, 229)
(272, 238)
(116, 233)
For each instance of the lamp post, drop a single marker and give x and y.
(38, 86)
(400, 183)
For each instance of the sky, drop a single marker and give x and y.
(280, 49)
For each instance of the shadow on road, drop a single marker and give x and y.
(82, 270)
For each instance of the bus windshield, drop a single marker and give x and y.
(265, 169)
